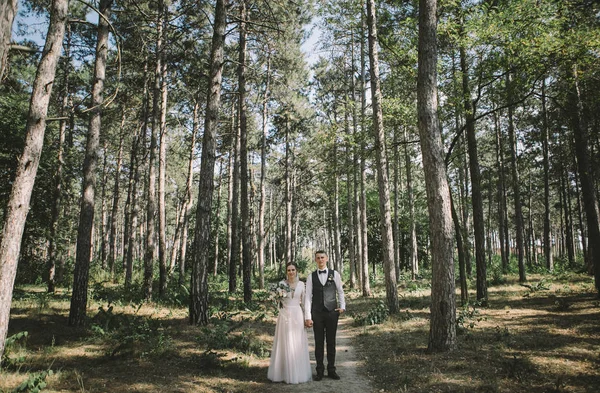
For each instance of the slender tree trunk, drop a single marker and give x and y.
(336, 211)
(112, 237)
(476, 197)
(500, 196)
(162, 162)
(199, 280)
(349, 200)
(515, 183)
(396, 222)
(414, 256)
(8, 10)
(262, 236)
(83, 259)
(442, 331)
(382, 174)
(189, 198)
(218, 219)
(60, 159)
(366, 286)
(546, 153)
(288, 195)
(234, 261)
(590, 202)
(462, 267)
(104, 209)
(247, 251)
(151, 207)
(20, 195)
(131, 205)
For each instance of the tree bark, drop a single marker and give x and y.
(366, 286)
(60, 160)
(515, 182)
(189, 198)
(442, 331)
(162, 159)
(382, 174)
(549, 257)
(247, 252)
(199, 279)
(414, 256)
(20, 195)
(78, 309)
(262, 236)
(112, 237)
(477, 199)
(8, 10)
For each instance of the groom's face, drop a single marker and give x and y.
(321, 261)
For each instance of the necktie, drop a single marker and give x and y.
(322, 271)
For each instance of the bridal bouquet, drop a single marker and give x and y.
(280, 291)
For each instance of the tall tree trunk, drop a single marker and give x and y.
(262, 236)
(288, 195)
(476, 197)
(218, 219)
(515, 181)
(162, 161)
(234, 258)
(60, 160)
(189, 198)
(546, 153)
(77, 312)
(366, 286)
(566, 205)
(414, 256)
(199, 280)
(112, 237)
(104, 209)
(442, 331)
(336, 211)
(131, 205)
(247, 252)
(8, 10)
(20, 195)
(500, 195)
(151, 207)
(462, 266)
(590, 202)
(349, 200)
(396, 183)
(382, 174)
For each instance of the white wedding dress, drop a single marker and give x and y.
(290, 361)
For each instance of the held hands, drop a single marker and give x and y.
(308, 323)
(340, 310)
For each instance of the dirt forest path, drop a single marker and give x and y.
(348, 364)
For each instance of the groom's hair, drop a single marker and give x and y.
(320, 252)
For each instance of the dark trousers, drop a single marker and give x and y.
(325, 327)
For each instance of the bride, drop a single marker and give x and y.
(290, 361)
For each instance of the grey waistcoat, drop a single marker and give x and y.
(324, 296)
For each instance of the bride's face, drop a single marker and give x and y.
(291, 272)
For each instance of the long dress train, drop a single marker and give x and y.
(290, 361)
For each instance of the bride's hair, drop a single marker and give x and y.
(294, 265)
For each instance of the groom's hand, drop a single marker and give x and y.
(340, 310)
(308, 323)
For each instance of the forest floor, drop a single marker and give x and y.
(543, 337)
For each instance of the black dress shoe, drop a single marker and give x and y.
(333, 375)
(319, 377)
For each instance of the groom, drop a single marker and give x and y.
(322, 309)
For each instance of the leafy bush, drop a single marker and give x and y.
(375, 316)
(467, 318)
(9, 348)
(35, 383)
